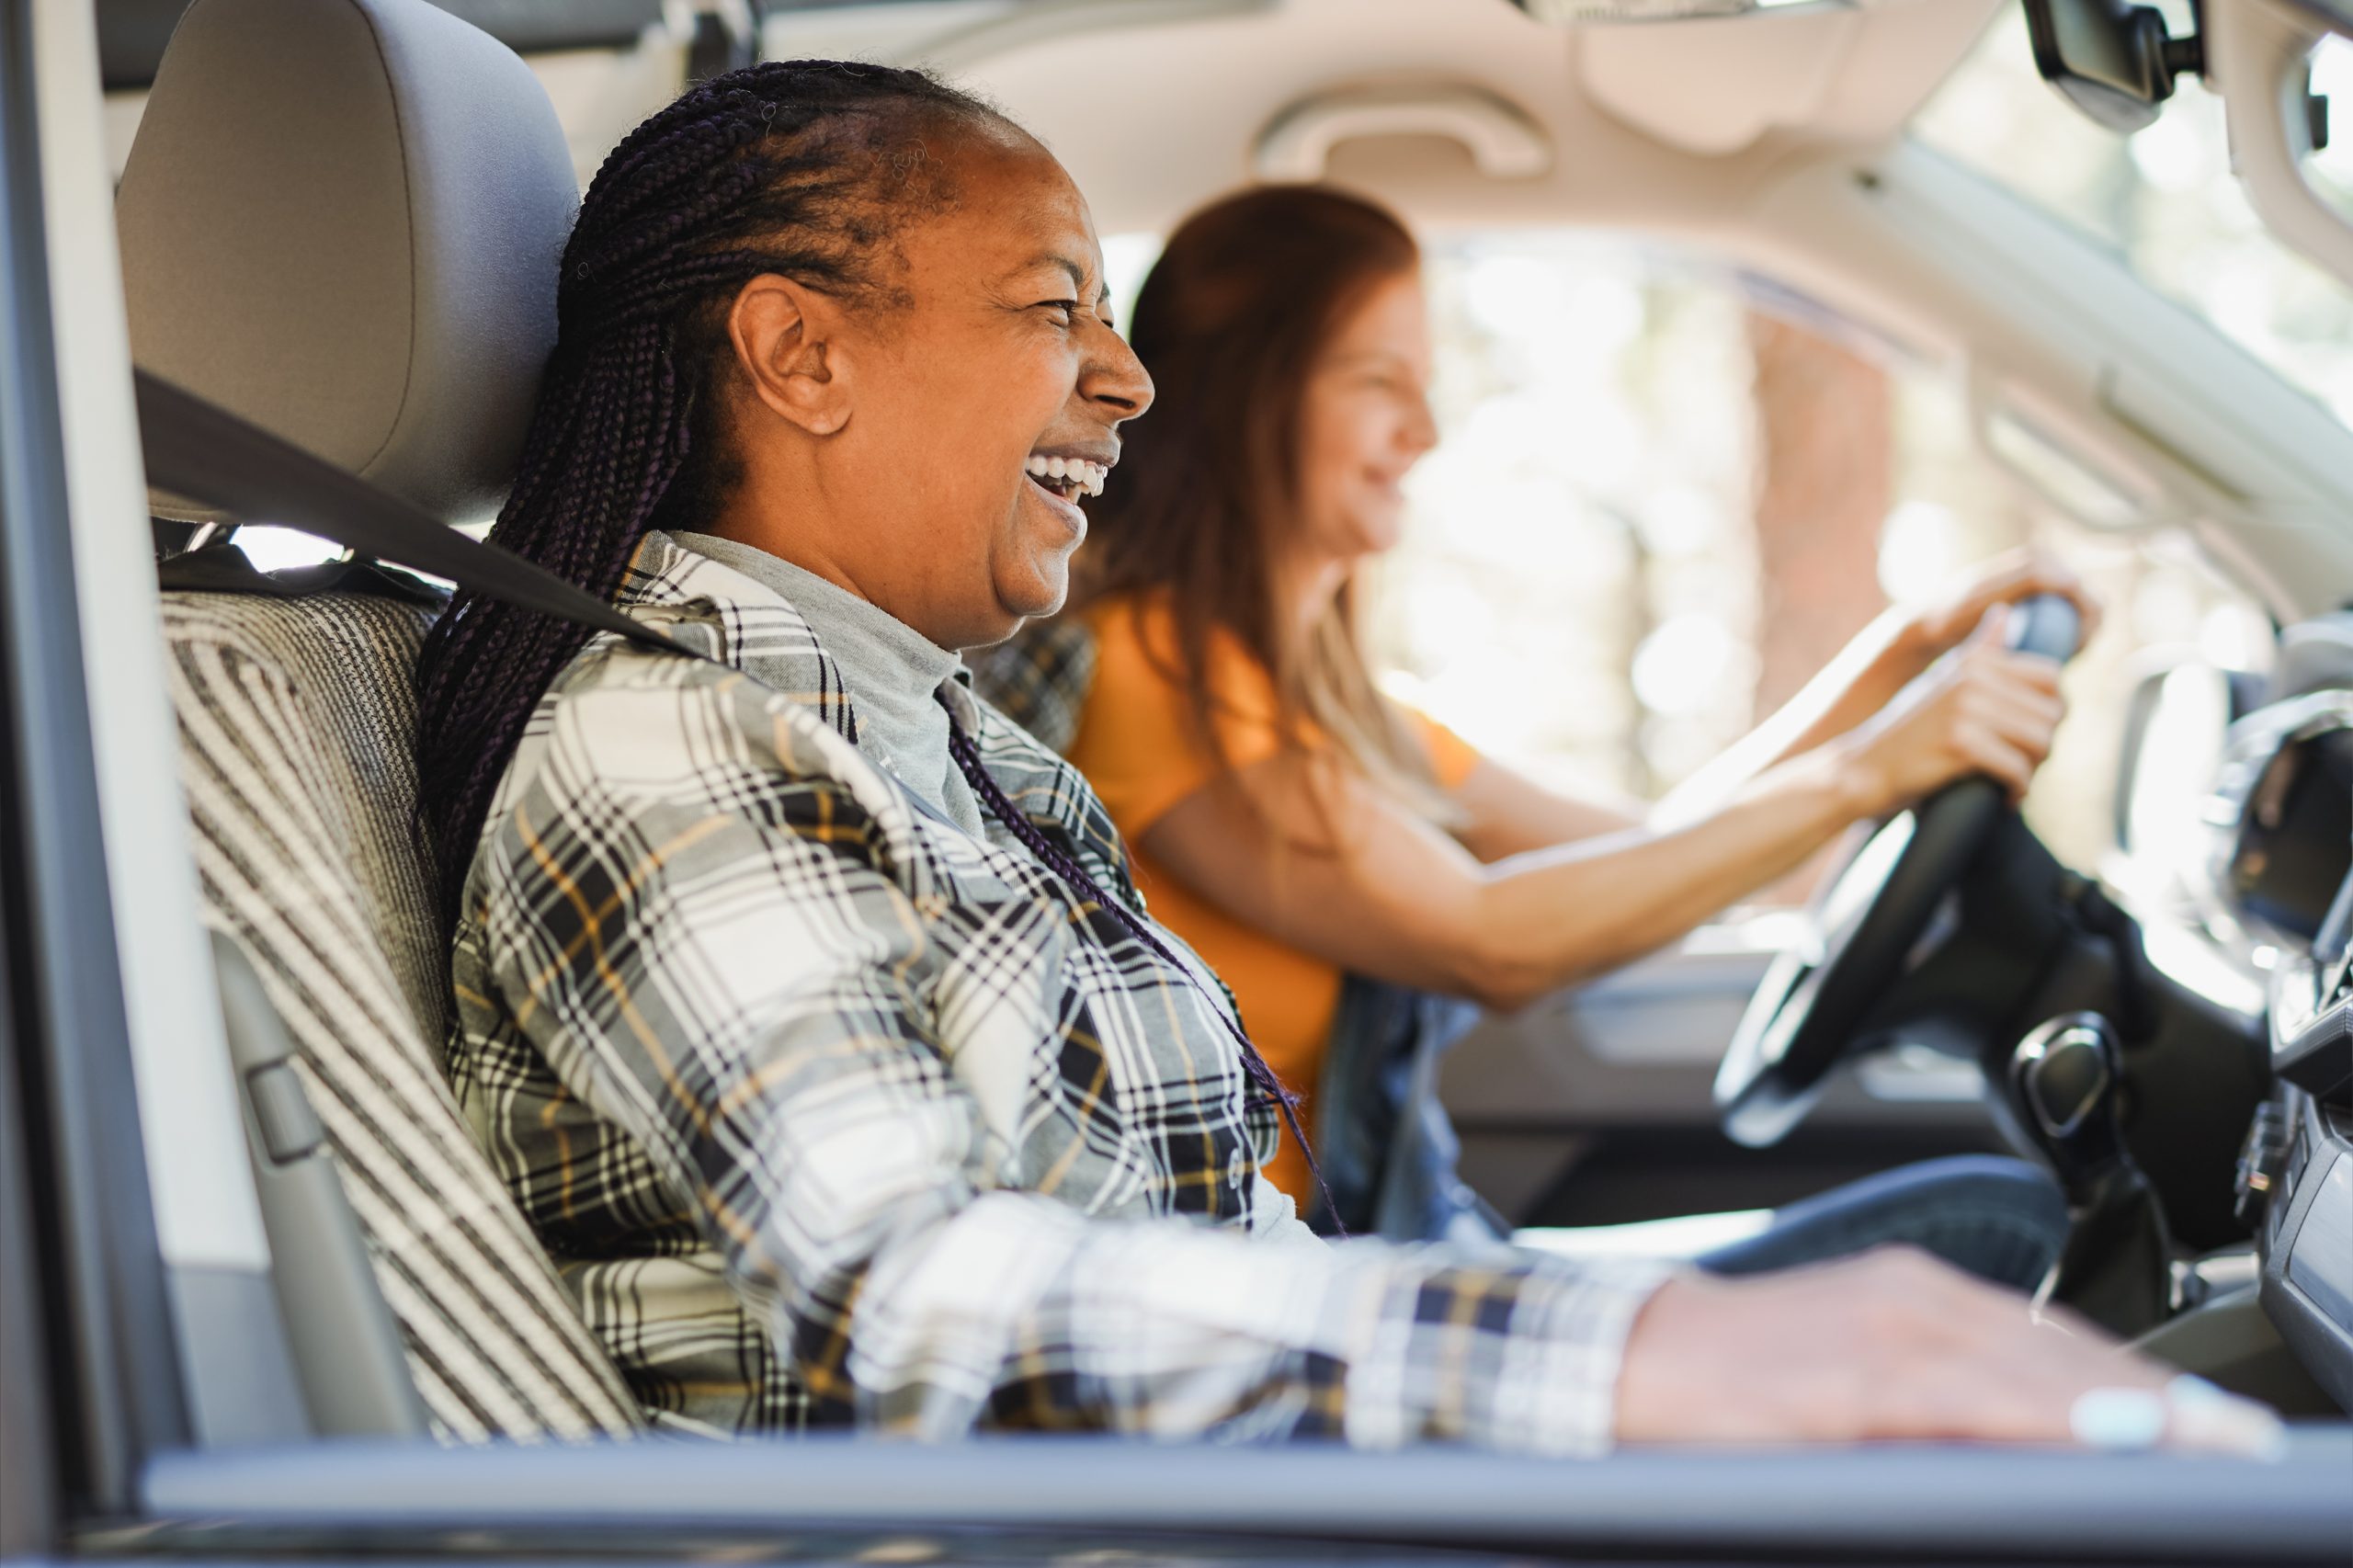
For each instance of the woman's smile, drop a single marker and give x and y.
(1059, 505)
(1061, 475)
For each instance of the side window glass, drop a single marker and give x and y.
(1667, 496)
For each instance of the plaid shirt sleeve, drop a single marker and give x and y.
(694, 913)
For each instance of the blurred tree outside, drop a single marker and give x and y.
(1825, 459)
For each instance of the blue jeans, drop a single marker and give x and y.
(1999, 1219)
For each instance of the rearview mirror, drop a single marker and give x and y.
(2111, 59)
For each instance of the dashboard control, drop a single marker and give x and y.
(2297, 1169)
(2311, 1008)
(2307, 1247)
(2263, 1162)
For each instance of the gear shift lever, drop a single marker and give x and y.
(2116, 1268)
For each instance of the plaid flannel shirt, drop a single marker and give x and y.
(831, 1113)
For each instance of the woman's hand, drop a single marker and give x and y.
(1874, 671)
(1924, 634)
(1894, 1344)
(1988, 709)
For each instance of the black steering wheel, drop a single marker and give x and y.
(1860, 929)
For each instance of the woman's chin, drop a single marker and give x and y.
(1037, 587)
(1377, 536)
(1379, 525)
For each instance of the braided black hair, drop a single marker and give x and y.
(802, 168)
(788, 168)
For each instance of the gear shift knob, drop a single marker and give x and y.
(2115, 1269)
(2066, 1075)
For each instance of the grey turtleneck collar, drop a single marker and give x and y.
(892, 672)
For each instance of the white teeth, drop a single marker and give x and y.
(1087, 476)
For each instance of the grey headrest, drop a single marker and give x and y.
(342, 219)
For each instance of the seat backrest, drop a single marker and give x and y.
(342, 219)
(296, 721)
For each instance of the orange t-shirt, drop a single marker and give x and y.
(1137, 746)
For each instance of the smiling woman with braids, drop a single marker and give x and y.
(805, 1003)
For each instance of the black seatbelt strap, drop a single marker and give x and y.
(208, 454)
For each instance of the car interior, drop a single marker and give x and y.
(286, 1297)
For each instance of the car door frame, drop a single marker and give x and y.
(80, 1251)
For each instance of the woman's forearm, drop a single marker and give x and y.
(1848, 689)
(1551, 917)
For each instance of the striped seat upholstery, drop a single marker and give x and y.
(295, 720)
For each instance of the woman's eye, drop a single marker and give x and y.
(1064, 311)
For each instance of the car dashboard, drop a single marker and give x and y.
(2299, 1163)
(2278, 888)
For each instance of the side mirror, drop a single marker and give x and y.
(2110, 59)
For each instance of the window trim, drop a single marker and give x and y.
(116, 1387)
(673, 1499)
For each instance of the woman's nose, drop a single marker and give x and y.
(1116, 379)
(1421, 425)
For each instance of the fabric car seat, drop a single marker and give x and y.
(342, 219)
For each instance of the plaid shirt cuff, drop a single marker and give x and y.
(1519, 1353)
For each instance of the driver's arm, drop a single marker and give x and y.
(1500, 812)
(1882, 659)
(1333, 866)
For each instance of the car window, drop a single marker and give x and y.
(1666, 493)
(2164, 200)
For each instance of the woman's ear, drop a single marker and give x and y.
(782, 333)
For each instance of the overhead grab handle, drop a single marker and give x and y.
(1502, 139)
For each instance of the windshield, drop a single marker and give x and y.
(2165, 201)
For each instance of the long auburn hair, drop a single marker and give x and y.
(1232, 322)
(803, 168)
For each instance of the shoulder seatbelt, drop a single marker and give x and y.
(204, 452)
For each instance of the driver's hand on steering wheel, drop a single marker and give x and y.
(1900, 645)
(1985, 710)
(1894, 1344)
(1930, 630)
